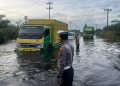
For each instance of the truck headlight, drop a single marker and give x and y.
(40, 46)
(18, 45)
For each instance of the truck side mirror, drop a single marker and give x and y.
(46, 33)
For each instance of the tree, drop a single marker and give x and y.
(1, 17)
(4, 23)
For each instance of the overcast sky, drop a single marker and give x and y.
(78, 12)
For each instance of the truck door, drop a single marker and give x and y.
(46, 38)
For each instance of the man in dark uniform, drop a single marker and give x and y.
(65, 59)
(77, 42)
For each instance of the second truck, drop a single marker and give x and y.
(88, 32)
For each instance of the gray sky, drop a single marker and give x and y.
(78, 12)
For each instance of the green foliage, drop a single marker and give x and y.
(3, 36)
(114, 27)
(7, 31)
(111, 32)
(99, 32)
(7, 34)
(4, 23)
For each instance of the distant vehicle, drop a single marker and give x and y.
(71, 36)
(88, 32)
(40, 34)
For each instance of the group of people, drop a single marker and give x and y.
(65, 60)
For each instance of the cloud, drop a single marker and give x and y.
(77, 11)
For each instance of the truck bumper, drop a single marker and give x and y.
(27, 49)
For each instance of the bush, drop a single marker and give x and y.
(7, 34)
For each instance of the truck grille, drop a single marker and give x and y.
(28, 45)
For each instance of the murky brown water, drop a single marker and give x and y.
(97, 64)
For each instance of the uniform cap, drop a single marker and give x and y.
(63, 35)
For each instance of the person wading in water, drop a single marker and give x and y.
(65, 60)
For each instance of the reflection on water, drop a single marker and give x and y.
(33, 67)
(28, 69)
(88, 43)
(96, 64)
(96, 67)
(46, 58)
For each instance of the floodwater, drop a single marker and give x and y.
(97, 64)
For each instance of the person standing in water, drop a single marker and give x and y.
(65, 60)
(77, 42)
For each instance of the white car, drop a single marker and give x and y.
(71, 36)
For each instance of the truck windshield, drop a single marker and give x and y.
(71, 34)
(31, 32)
(89, 30)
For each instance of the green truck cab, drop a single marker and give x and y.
(88, 32)
(40, 35)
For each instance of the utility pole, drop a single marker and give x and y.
(49, 8)
(70, 26)
(96, 26)
(107, 10)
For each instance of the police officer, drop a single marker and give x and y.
(77, 42)
(65, 59)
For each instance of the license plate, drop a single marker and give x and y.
(26, 50)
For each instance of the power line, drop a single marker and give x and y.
(49, 8)
(38, 2)
(41, 3)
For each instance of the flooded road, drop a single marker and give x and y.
(97, 64)
(94, 65)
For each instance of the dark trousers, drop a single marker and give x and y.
(77, 47)
(68, 77)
